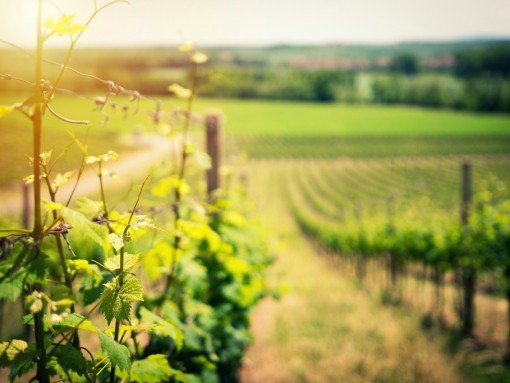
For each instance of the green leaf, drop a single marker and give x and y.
(203, 160)
(86, 228)
(18, 356)
(116, 302)
(5, 110)
(199, 58)
(91, 294)
(77, 321)
(154, 369)
(130, 261)
(132, 290)
(10, 350)
(63, 26)
(89, 207)
(141, 222)
(162, 327)
(12, 286)
(109, 156)
(61, 179)
(115, 241)
(112, 305)
(68, 363)
(13, 282)
(50, 205)
(179, 91)
(118, 353)
(22, 365)
(45, 157)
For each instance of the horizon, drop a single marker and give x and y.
(460, 40)
(230, 23)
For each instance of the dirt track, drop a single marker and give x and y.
(129, 169)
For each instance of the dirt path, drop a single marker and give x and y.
(129, 169)
(328, 329)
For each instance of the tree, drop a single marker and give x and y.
(406, 63)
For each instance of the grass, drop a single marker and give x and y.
(312, 119)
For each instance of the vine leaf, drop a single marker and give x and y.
(63, 26)
(132, 290)
(77, 321)
(199, 58)
(162, 327)
(154, 369)
(5, 110)
(69, 364)
(89, 207)
(115, 241)
(12, 283)
(50, 205)
(86, 228)
(118, 353)
(12, 286)
(10, 350)
(179, 91)
(116, 302)
(130, 261)
(61, 179)
(18, 356)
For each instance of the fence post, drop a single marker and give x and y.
(468, 273)
(467, 192)
(25, 214)
(214, 150)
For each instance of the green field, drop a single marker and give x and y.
(274, 129)
(312, 119)
(254, 117)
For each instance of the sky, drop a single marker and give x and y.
(264, 22)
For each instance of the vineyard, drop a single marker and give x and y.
(405, 218)
(170, 238)
(391, 229)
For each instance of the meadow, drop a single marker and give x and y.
(269, 129)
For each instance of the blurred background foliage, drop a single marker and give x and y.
(470, 75)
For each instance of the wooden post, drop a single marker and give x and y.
(214, 150)
(468, 273)
(25, 217)
(466, 192)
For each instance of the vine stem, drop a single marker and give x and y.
(121, 269)
(181, 174)
(42, 372)
(60, 248)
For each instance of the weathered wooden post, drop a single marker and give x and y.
(214, 147)
(468, 273)
(467, 192)
(25, 214)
